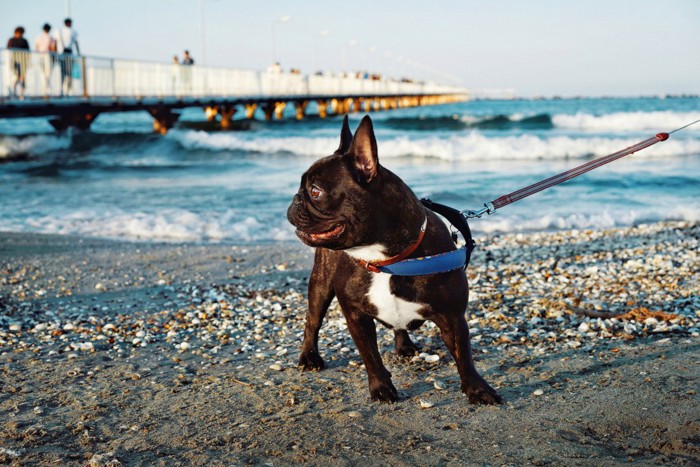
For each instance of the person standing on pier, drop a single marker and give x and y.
(188, 61)
(20, 59)
(45, 44)
(175, 72)
(67, 40)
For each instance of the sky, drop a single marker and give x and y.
(536, 48)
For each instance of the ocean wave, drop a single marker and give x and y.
(114, 141)
(13, 147)
(609, 123)
(177, 225)
(169, 225)
(604, 219)
(455, 123)
(477, 147)
(470, 147)
(77, 168)
(627, 121)
(303, 146)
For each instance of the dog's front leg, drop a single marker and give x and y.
(403, 343)
(455, 333)
(364, 334)
(320, 296)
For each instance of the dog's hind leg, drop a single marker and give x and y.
(455, 333)
(321, 295)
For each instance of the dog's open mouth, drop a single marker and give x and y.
(329, 234)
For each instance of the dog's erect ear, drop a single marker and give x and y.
(345, 138)
(363, 151)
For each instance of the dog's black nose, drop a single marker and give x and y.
(297, 199)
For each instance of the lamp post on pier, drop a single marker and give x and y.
(273, 31)
(344, 58)
(322, 33)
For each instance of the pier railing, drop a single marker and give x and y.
(49, 76)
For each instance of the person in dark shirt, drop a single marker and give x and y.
(187, 60)
(20, 58)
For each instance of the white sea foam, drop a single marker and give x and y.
(13, 146)
(472, 146)
(170, 225)
(312, 147)
(607, 218)
(176, 225)
(628, 121)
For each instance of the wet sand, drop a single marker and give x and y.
(116, 353)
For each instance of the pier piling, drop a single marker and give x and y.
(300, 109)
(163, 119)
(250, 109)
(227, 112)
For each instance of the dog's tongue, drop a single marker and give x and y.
(328, 234)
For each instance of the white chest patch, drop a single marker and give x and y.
(391, 309)
(374, 252)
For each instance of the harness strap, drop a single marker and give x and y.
(434, 264)
(457, 219)
(375, 266)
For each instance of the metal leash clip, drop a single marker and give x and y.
(487, 209)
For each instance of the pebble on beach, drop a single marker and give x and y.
(538, 292)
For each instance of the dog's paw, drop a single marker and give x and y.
(383, 392)
(482, 394)
(404, 345)
(311, 361)
(407, 350)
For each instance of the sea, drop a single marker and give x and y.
(200, 184)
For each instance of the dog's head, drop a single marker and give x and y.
(338, 203)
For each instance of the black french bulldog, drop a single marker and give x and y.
(356, 212)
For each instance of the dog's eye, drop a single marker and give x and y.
(315, 192)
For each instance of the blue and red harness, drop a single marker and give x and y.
(433, 264)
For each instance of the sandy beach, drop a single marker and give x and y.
(116, 353)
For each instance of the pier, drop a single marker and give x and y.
(71, 91)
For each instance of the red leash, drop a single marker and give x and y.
(575, 172)
(490, 207)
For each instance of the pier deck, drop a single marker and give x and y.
(73, 90)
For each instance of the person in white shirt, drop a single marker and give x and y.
(46, 45)
(67, 41)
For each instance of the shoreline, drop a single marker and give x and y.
(121, 353)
